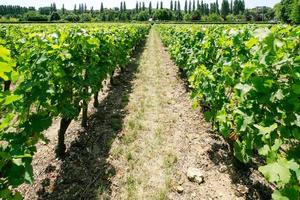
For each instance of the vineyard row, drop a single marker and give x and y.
(50, 71)
(247, 80)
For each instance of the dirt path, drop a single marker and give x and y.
(140, 143)
(162, 137)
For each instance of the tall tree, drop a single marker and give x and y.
(101, 7)
(63, 9)
(175, 6)
(231, 6)
(225, 9)
(157, 6)
(236, 7)
(143, 7)
(54, 7)
(80, 8)
(198, 5)
(137, 7)
(161, 5)
(217, 7)
(92, 10)
(75, 8)
(243, 6)
(121, 6)
(284, 9)
(206, 9)
(194, 5)
(171, 5)
(190, 6)
(185, 6)
(150, 7)
(178, 6)
(124, 6)
(295, 14)
(212, 8)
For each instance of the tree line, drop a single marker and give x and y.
(14, 10)
(192, 10)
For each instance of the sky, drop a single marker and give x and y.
(115, 3)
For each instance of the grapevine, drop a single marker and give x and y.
(247, 78)
(50, 71)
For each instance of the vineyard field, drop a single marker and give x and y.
(149, 111)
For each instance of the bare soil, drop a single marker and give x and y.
(140, 142)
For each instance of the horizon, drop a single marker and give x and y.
(130, 4)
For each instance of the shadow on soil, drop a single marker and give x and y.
(240, 173)
(85, 172)
(221, 154)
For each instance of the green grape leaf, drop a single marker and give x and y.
(240, 152)
(11, 99)
(265, 131)
(277, 144)
(245, 88)
(251, 43)
(297, 121)
(278, 196)
(276, 173)
(264, 151)
(28, 174)
(42, 59)
(296, 88)
(296, 133)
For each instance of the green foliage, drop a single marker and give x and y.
(86, 17)
(214, 18)
(295, 14)
(162, 14)
(288, 11)
(35, 16)
(196, 15)
(225, 9)
(51, 66)
(142, 16)
(248, 79)
(187, 17)
(54, 16)
(72, 18)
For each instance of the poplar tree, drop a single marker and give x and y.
(194, 6)
(137, 7)
(150, 7)
(101, 7)
(225, 9)
(124, 6)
